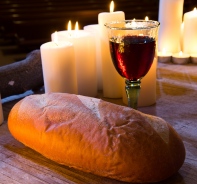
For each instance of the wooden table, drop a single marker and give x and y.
(176, 103)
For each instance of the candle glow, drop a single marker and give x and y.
(69, 29)
(76, 26)
(164, 56)
(111, 9)
(146, 18)
(180, 53)
(69, 26)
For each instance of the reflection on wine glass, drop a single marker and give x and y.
(132, 46)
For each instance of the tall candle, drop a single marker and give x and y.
(58, 65)
(94, 29)
(190, 32)
(85, 58)
(112, 81)
(1, 112)
(170, 17)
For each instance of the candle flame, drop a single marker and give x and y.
(146, 18)
(76, 26)
(180, 53)
(69, 25)
(194, 9)
(111, 6)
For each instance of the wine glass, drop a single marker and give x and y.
(132, 47)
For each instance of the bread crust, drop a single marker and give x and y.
(98, 137)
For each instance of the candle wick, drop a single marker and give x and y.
(69, 33)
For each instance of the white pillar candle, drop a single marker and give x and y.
(180, 58)
(1, 112)
(58, 65)
(94, 30)
(147, 94)
(112, 81)
(85, 58)
(190, 32)
(170, 18)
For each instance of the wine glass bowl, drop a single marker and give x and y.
(132, 47)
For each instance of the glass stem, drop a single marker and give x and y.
(132, 90)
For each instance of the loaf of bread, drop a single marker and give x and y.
(99, 137)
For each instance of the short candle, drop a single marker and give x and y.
(164, 56)
(180, 58)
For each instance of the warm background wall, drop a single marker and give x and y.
(26, 24)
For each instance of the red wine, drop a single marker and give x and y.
(133, 56)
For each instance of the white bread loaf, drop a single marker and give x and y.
(98, 137)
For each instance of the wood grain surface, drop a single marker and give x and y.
(176, 103)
